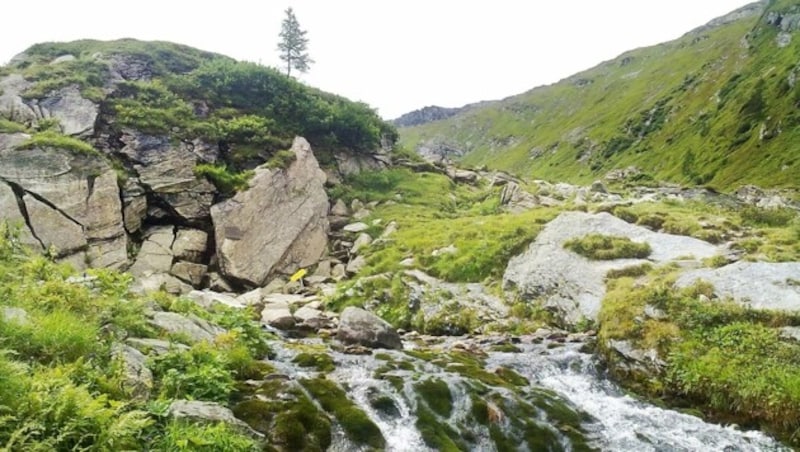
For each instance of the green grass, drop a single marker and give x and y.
(51, 139)
(8, 126)
(63, 390)
(604, 247)
(689, 111)
(721, 357)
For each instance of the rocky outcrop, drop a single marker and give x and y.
(425, 115)
(277, 225)
(357, 326)
(75, 114)
(573, 285)
(759, 285)
(67, 201)
(165, 171)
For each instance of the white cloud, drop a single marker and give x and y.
(395, 55)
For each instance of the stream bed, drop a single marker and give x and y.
(534, 395)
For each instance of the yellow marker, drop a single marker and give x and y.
(298, 275)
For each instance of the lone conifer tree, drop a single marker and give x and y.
(293, 44)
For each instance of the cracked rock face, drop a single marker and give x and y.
(276, 226)
(64, 201)
(166, 172)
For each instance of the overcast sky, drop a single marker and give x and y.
(397, 55)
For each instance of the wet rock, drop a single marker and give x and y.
(637, 359)
(191, 326)
(278, 315)
(137, 379)
(252, 246)
(357, 326)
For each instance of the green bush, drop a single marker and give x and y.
(56, 414)
(226, 181)
(8, 126)
(773, 217)
(188, 436)
(201, 373)
(52, 139)
(604, 247)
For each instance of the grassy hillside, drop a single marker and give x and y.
(717, 106)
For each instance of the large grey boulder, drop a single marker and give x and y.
(191, 326)
(166, 171)
(68, 201)
(759, 285)
(357, 326)
(277, 225)
(574, 285)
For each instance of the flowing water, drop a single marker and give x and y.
(561, 379)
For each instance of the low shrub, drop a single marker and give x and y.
(604, 247)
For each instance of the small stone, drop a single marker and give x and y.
(362, 241)
(355, 265)
(277, 315)
(356, 227)
(340, 209)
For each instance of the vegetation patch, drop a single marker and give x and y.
(51, 139)
(604, 247)
(226, 181)
(436, 395)
(358, 427)
(721, 357)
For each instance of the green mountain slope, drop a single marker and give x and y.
(718, 106)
